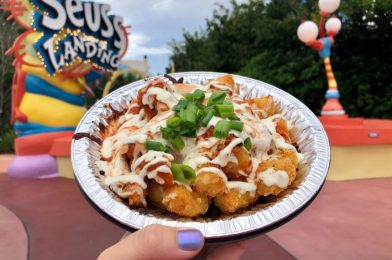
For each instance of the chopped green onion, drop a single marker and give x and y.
(167, 133)
(222, 129)
(155, 146)
(234, 117)
(225, 110)
(189, 132)
(199, 105)
(177, 143)
(177, 172)
(200, 114)
(180, 105)
(237, 125)
(208, 108)
(190, 97)
(199, 94)
(207, 117)
(173, 122)
(189, 173)
(192, 107)
(181, 114)
(248, 144)
(183, 173)
(216, 97)
(188, 116)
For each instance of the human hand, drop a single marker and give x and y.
(161, 242)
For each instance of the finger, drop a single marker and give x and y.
(157, 242)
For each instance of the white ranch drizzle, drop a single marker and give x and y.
(214, 170)
(107, 147)
(271, 177)
(194, 162)
(143, 172)
(242, 186)
(134, 120)
(214, 120)
(129, 178)
(226, 154)
(212, 141)
(149, 156)
(124, 194)
(161, 94)
(278, 140)
(218, 85)
(118, 166)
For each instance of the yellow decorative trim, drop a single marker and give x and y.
(70, 86)
(360, 162)
(50, 111)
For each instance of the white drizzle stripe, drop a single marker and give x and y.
(161, 95)
(143, 172)
(130, 178)
(150, 155)
(242, 186)
(214, 170)
(271, 177)
(162, 168)
(224, 156)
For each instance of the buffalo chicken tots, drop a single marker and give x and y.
(183, 147)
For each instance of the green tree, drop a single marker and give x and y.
(9, 31)
(259, 40)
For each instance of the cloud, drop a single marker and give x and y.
(163, 5)
(139, 46)
(156, 22)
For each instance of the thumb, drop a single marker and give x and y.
(156, 242)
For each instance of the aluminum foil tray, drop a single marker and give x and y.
(267, 214)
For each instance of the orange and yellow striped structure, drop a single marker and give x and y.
(331, 78)
(332, 106)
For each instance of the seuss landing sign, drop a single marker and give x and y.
(72, 30)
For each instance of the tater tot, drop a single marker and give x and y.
(233, 200)
(232, 169)
(243, 157)
(290, 154)
(209, 183)
(155, 192)
(267, 104)
(283, 130)
(136, 197)
(281, 164)
(226, 79)
(179, 200)
(185, 88)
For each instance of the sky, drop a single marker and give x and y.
(156, 22)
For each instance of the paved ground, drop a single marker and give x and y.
(349, 220)
(59, 222)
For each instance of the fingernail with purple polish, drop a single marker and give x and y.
(189, 240)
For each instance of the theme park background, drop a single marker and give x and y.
(258, 40)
